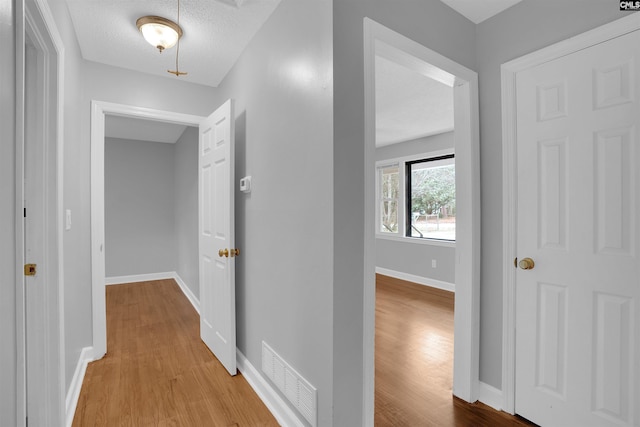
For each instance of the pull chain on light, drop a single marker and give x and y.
(177, 71)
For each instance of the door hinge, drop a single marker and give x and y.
(29, 269)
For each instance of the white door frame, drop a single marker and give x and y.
(35, 21)
(98, 111)
(466, 135)
(510, 175)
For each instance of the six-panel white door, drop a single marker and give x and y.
(577, 331)
(216, 230)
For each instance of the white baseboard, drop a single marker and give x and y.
(285, 416)
(73, 394)
(439, 284)
(116, 280)
(195, 302)
(490, 396)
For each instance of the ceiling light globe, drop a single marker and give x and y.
(159, 32)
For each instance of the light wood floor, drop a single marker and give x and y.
(414, 361)
(157, 371)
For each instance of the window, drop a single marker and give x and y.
(389, 198)
(419, 203)
(431, 201)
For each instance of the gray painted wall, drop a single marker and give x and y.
(139, 205)
(415, 258)
(8, 363)
(282, 85)
(186, 208)
(443, 30)
(408, 256)
(524, 28)
(77, 249)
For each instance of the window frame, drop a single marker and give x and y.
(404, 165)
(434, 161)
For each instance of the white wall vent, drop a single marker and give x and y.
(300, 393)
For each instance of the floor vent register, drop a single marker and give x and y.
(298, 391)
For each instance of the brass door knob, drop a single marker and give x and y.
(526, 264)
(223, 252)
(235, 252)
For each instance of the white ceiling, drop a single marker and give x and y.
(477, 11)
(409, 105)
(215, 34)
(142, 130)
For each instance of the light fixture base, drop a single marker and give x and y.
(160, 32)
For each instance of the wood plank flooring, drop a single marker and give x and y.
(414, 361)
(157, 371)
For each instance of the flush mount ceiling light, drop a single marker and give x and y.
(159, 32)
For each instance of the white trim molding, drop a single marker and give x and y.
(285, 416)
(73, 394)
(509, 71)
(425, 281)
(490, 396)
(186, 290)
(117, 280)
(380, 40)
(98, 111)
(34, 21)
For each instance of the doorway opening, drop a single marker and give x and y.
(151, 202)
(381, 43)
(98, 112)
(415, 243)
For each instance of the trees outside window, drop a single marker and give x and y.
(389, 197)
(432, 203)
(420, 202)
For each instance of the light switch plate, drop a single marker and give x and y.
(245, 184)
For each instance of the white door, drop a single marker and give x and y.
(577, 313)
(34, 232)
(217, 250)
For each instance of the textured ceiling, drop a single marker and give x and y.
(215, 34)
(409, 105)
(477, 11)
(142, 130)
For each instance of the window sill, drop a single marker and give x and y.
(417, 240)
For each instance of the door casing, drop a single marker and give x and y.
(98, 111)
(466, 135)
(35, 22)
(510, 174)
